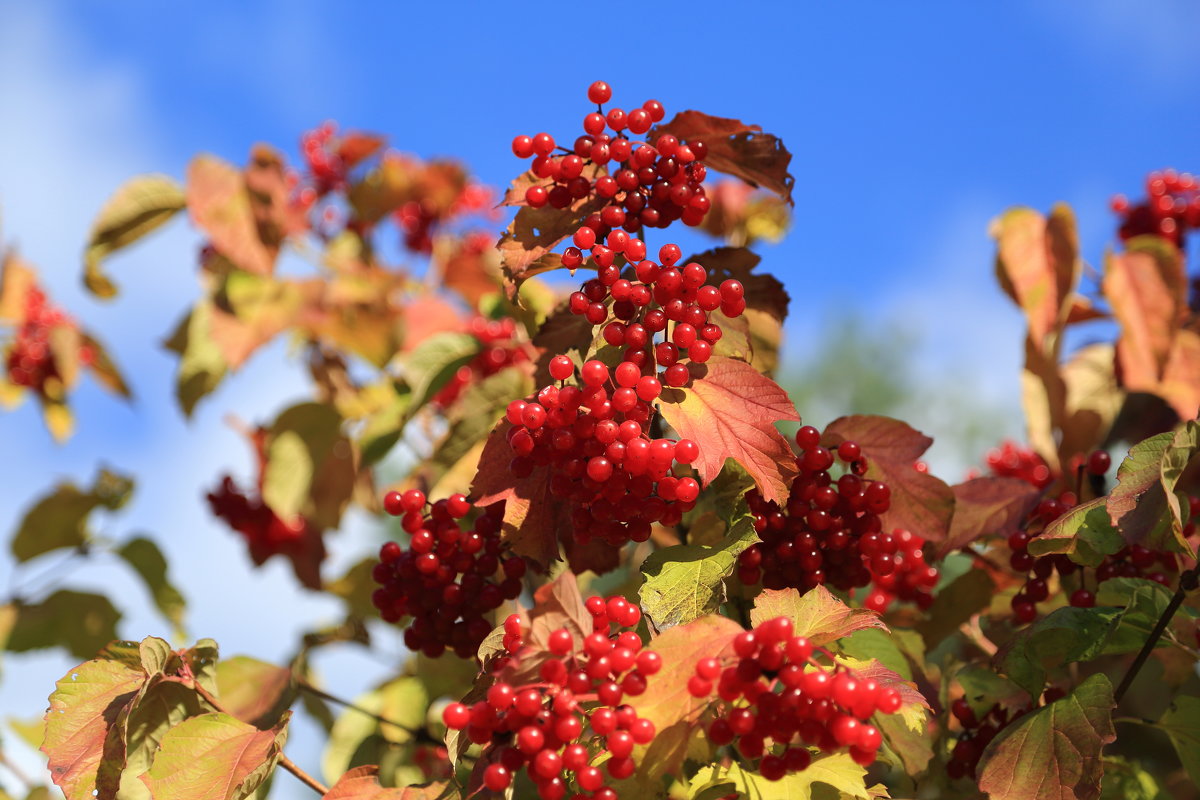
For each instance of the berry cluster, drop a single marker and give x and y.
(651, 298)
(617, 480)
(419, 219)
(1171, 207)
(326, 164)
(499, 348)
(977, 733)
(555, 725)
(1010, 460)
(775, 701)
(1134, 561)
(446, 579)
(646, 186)
(30, 362)
(830, 532)
(433, 760)
(265, 532)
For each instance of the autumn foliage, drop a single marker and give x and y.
(623, 566)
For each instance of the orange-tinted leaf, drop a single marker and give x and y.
(468, 265)
(214, 757)
(525, 247)
(1054, 752)
(730, 411)
(362, 783)
(254, 691)
(356, 146)
(984, 506)
(1093, 398)
(1081, 309)
(1181, 376)
(219, 204)
(816, 614)
(82, 746)
(667, 703)
(17, 277)
(1037, 263)
(1147, 289)
(533, 516)
(736, 148)
(102, 367)
(275, 217)
(428, 317)
(921, 503)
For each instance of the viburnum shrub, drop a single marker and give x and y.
(615, 575)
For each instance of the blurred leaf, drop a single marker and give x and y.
(201, 365)
(219, 204)
(1054, 752)
(139, 206)
(954, 604)
(356, 587)
(468, 265)
(730, 411)
(17, 277)
(60, 518)
(986, 506)
(473, 416)
(103, 369)
(1182, 724)
(362, 783)
(301, 440)
(148, 562)
(831, 776)
(1128, 780)
(1093, 400)
(59, 419)
(359, 738)
(214, 756)
(81, 622)
(434, 361)
(983, 689)
(254, 691)
(1144, 504)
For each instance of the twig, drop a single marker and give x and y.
(305, 686)
(7, 763)
(284, 761)
(1187, 582)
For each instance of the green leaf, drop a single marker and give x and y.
(1085, 534)
(1182, 724)
(148, 562)
(84, 708)
(254, 691)
(1055, 752)
(301, 443)
(202, 366)
(957, 602)
(817, 614)
(983, 688)
(384, 428)
(159, 707)
(287, 475)
(60, 518)
(81, 622)
(434, 361)
(832, 776)
(474, 414)
(359, 738)
(687, 581)
(139, 206)
(356, 587)
(1144, 504)
(214, 757)
(875, 644)
(1127, 780)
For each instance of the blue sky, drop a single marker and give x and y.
(912, 125)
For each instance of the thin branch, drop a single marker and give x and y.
(284, 761)
(7, 763)
(1187, 582)
(305, 686)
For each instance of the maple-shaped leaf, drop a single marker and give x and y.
(735, 148)
(1054, 752)
(220, 205)
(667, 702)
(816, 614)
(1144, 504)
(730, 410)
(986, 506)
(214, 757)
(920, 502)
(525, 247)
(139, 206)
(362, 783)
(533, 516)
(1147, 288)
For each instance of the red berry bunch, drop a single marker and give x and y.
(499, 349)
(433, 761)
(30, 362)
(265, 532)
(775, 701)
(419, 219)
(978, 732)
(1010, 460)
(1171, 207)
(326, 166)
(446, 579)
(601, 459)
(644, 185)
(556, 723)
(650, 299)
(830, 532)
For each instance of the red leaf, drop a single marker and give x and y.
(533, 516)
(730, 412)
(219, 204)
(736, 148)
(525, 247)
(984, 506)
(763, 292)
(1037, 263)
(1147, 288)
(362, 783)
(355, 146)
(921, 503)
(1181, 376)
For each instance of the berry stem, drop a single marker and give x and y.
(284, 761)
(1188, 581)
